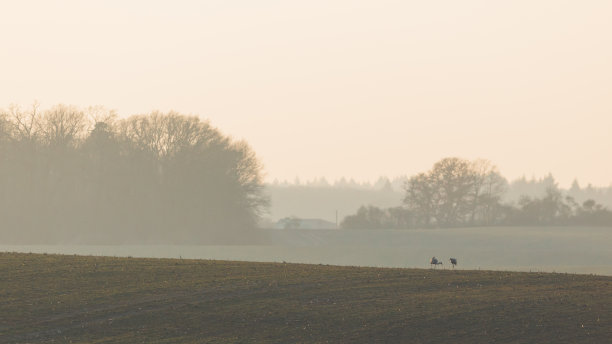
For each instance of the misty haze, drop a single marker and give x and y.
(284, 172)
(84, 177)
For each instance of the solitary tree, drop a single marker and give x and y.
(454, 192)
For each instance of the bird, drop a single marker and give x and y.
(434, 261)
(453, 261)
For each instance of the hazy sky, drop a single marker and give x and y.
(338, 88)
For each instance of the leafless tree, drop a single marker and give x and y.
(25, 123)
(62, 125)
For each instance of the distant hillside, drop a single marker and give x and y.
(75, 299)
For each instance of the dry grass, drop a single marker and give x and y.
(78, 299)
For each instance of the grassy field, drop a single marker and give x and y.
(64, 299)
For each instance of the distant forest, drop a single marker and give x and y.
(320, 198)
(459, 193)
(74, 175)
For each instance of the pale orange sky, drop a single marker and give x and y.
(338, 88)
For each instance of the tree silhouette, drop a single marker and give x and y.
(163, 177)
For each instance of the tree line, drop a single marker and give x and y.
(458, 193)
(70, 174)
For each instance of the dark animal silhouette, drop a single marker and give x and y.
(453, 261)
(435, 262)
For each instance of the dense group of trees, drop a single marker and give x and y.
(555, 209)
(85, 175)
(458, 192)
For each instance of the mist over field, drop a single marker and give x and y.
(584, 250)
(319, 171)
(81, 178)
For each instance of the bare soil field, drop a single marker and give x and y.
(84, 299)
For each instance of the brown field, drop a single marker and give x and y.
(64, 299)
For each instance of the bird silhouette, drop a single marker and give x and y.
(453, 261)
(435, 262)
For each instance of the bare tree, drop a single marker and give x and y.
(100, 114)
(454, 191)
(62, 125)
(453, 182)
(5, 128)
(420, 197)
(488, 186)
(25, 123)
